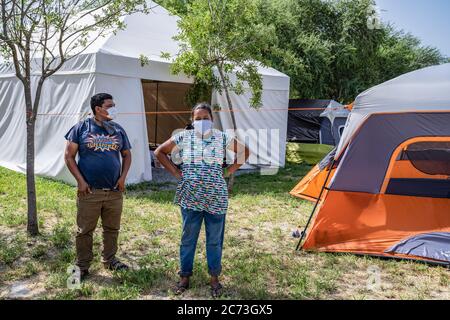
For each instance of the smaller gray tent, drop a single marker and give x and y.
(332, 123)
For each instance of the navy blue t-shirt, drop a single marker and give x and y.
(99, 152)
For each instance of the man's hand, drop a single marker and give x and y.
(83, 188)
(121, 184)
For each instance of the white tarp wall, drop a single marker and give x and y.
(64, 102)
(112, 65)
(263, 130)
(61, 94)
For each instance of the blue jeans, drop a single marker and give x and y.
(215, 227)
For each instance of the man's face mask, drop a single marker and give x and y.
(112, 112)
(202, 126)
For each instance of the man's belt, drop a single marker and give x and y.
(104, 189)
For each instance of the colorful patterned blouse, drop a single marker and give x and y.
(202, 186)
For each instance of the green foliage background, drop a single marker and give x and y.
(327, 48)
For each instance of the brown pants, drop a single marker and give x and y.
(108, 206)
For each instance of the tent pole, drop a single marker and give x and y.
(314, 209)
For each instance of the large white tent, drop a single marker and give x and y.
(112, 65)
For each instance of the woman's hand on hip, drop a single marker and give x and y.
(178, 174)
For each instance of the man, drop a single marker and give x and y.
(100, 144)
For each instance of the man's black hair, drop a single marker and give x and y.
(98, 100)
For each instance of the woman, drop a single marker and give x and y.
(202, 191)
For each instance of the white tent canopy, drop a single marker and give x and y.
(422, 90)
(112, 65)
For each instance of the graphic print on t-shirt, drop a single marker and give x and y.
(102, 142)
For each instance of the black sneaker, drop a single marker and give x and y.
(116, 265)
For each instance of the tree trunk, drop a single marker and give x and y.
(32, 225)
(233, 120)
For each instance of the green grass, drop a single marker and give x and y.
(259, 258)
(11, 250)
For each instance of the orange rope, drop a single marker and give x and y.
(190, 111)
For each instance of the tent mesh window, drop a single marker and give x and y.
(429, 157)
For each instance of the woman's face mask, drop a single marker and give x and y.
(202, 126)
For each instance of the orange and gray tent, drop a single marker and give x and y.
(385, 190)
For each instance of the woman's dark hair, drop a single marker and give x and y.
(202, 106)
(99, 99)
(199, 106)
